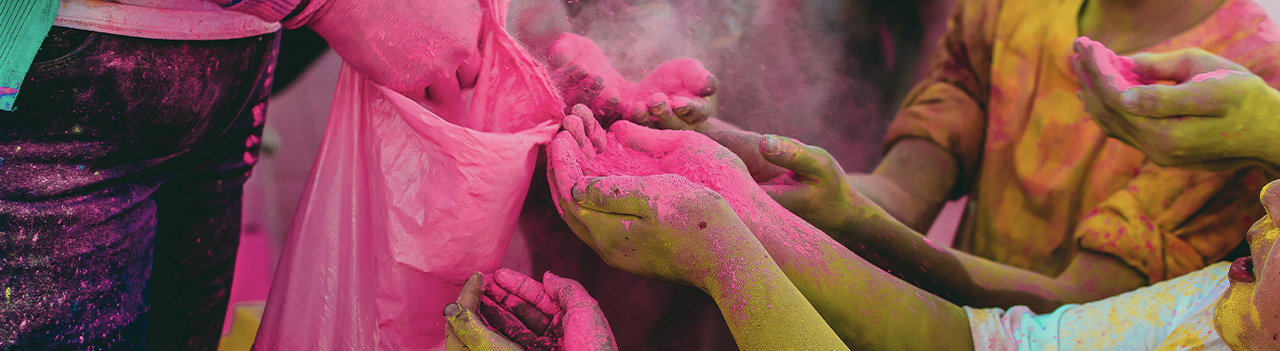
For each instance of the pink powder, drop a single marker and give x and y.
(8, 91)
(1218, 74)
(1112, 65)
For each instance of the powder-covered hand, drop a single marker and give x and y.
(1218, 116)
(556, 314)
(466, 330)
(815, 188)
(672, 96)
(426, 49)
(660, 226)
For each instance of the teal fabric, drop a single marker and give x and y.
(23, 26)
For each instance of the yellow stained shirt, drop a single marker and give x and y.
(1043, 179)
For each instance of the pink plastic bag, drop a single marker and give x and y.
(402, 205)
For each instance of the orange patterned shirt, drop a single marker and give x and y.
(1043, 180)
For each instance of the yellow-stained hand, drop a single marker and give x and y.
(815, 187)
(466, 331)
(1218, 116)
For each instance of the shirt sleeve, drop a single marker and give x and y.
(949, 106)
(1136, 320)
(1169, 221)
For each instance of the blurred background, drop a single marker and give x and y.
(827, 72)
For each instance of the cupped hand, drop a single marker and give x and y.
(466, 330)
(815, 187)
(555, 314)
(1218, 116)
(426, 49)
(673, 95)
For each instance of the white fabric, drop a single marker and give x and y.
(182, 20)
(1171, 315)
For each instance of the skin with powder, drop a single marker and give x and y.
(604, 209)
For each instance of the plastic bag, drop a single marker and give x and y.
(402, 205)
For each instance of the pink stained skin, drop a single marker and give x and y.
(1119, 69)
(850, 293)
(586, 77)
(1217, 74)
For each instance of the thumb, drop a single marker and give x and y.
(1271, 199)
(625, 195)
(473, 333)
(808, 162)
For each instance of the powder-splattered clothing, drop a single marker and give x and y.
(1043, 179)
(1172, 315)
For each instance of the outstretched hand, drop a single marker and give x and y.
(1218, 115)
(673, 95)
(815, 187)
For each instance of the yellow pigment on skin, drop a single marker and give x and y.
(1236, 315)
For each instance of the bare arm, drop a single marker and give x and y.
(911, 183)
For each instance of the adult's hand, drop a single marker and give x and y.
(555, 314)
(1218, 116)
(426, 49)
(673, 95)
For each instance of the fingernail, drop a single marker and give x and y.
(578, 193)
(1129, 98)
(657, 108)
(452, 309)
(771, 145)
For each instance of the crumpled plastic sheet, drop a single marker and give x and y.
(402, 205)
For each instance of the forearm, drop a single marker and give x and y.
(763, 309)
(911, 183)
(973, 281)
(867, 308)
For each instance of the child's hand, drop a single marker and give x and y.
(1219, 115)
(672, 96)
(815, 188)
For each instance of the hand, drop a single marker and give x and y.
(559, 316)
(659, 226)
(426, 49)
(815, 188)
(1219, 116)
(672, 96)
(466, 331)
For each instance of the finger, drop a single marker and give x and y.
(747, 146)
(505, 322)
(623, 195)
(608, 104)
(524, 298)
(569, 79)
(691, 111)
(1210, 97)
(1180, 66)
(573, 125)
(1270, 200)
(473, 333)
(595, 133)
(660, 110)
(790, 196)
(650, 141)
(682, 75)
(569, 211)
(564, 156)
(584, 322)
(527, 289)
(808, 162)
(471, 291)
(452, 343)
(637, 112)
(1103, 71)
